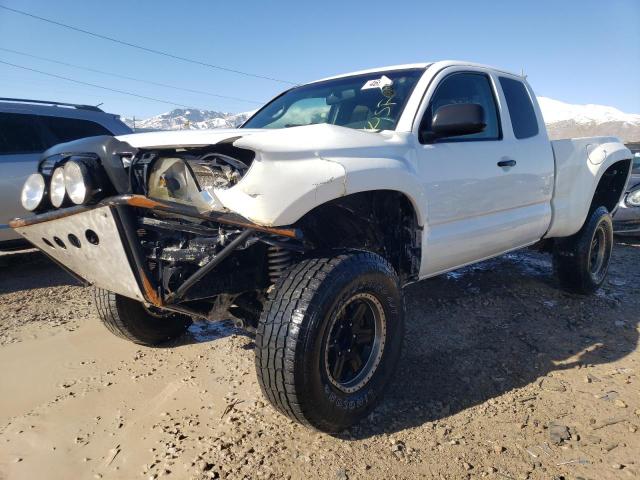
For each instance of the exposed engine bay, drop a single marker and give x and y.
(178, 247)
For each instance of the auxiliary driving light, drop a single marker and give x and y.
(33, 192)
(57, 192)
(77, 182)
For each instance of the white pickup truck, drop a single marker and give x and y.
(305, 223)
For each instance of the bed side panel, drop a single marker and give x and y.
(580, 163)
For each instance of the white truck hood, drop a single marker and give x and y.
(181, 138)
(285, 140)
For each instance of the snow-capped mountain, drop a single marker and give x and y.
(182, 119)
(556, 111)
(563, 120)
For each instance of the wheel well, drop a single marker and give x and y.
(381, 221)
(611, 186)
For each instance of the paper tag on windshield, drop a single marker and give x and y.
(380, 83)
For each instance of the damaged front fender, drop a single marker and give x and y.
(297, 169)
(268, 196)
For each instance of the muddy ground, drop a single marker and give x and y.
(503, 376)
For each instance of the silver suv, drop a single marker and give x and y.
(28, 128)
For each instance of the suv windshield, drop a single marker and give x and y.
(373, 101)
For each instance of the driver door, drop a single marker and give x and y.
(472, 202)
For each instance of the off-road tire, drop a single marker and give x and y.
(293, 331)
(573, 257)
(129, 319)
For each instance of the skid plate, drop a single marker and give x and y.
(71, 241)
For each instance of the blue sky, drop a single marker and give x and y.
(585, 51)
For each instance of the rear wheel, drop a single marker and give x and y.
(581, 261)
(131, 320)
(329, 339)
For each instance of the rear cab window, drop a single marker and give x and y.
(523, 116)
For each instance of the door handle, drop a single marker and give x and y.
(507, 163)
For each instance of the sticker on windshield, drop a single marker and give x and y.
(380, 83)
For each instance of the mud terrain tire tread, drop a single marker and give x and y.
(571, 254)
(283, 328)
(127, 318)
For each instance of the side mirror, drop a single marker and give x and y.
(457, 119)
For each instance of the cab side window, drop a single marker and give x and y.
(465, 88)
(523, 116)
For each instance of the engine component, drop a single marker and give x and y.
(216, 170)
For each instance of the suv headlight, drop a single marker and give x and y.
(77, 182)
(633, 198)
(57, 192)
(33, 192)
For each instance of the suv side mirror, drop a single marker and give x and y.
(457, 119)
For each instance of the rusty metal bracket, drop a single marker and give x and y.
(140, 201)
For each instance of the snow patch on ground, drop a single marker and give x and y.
(208, 331)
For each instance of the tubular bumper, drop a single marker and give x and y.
(98, 244)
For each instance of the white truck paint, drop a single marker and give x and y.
(470, 209)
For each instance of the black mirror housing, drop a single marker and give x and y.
(457, 119)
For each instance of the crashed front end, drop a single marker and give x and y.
(146, 223)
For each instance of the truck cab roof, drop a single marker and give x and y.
(438, 65)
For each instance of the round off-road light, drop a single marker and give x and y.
(33, 191)
(633, 199)
(77, 182)
(57, 192)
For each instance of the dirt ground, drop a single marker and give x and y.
(503, 376)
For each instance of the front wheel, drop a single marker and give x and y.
(329, 339)
(581, 261)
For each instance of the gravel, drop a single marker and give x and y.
(503, 375)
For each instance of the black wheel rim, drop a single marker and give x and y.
(355, 343)
(598, 254)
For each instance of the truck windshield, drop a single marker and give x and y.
(373, 101)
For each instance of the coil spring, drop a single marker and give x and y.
(279, 260)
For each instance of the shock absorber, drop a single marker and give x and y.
(279, 260)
